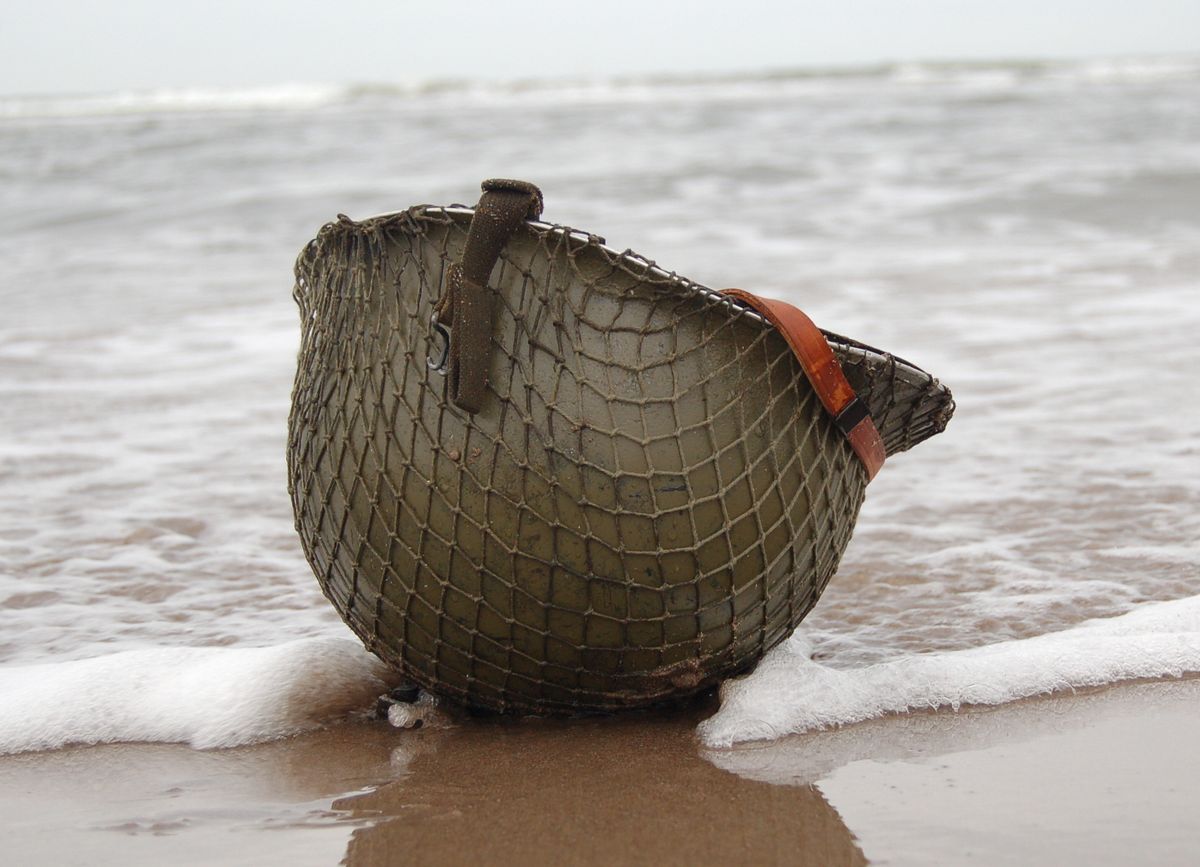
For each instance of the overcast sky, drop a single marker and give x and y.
(86, 45)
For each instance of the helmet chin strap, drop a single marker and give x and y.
(849, 412)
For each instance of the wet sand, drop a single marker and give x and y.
(1108, 777)
(626, 790)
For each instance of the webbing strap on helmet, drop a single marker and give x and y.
(467, 305)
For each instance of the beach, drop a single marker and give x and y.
(1103, 777)
(1002, 670)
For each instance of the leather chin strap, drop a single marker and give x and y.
(467, 305)
(812, 350)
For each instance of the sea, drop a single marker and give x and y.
(1029, 232)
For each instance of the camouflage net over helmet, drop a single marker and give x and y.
(649, 499)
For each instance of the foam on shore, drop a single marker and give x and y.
(789, 693)
(223, 697)
(203, 696)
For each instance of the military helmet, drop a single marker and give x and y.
(540, 475)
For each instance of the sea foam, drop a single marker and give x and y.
(203, 696)
(211, 697)
(789, 693)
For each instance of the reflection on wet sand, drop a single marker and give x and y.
(156, 803)
(800, 760)
(620, 790)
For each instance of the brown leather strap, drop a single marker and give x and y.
(467, 306)
(849, 413)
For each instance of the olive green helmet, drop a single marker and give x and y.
(539, 475)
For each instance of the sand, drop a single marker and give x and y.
(1106, 777)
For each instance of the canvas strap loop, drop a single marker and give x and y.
(467, 305)
(849, 412)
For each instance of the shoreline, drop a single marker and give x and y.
(1098, 776)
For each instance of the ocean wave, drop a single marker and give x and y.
(184, 99)
(215, 697)
(203, 696)
(961, 75)
(789, 693)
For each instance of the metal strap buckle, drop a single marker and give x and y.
(850, 416)
(439, 362)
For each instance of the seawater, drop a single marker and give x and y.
(1028, 232)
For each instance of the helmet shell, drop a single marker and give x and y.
(651, 497)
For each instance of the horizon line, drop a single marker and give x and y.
(663, 76)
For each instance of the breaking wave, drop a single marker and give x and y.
(770, 84)
(210, 697)
(202, 696)
(789, 693)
